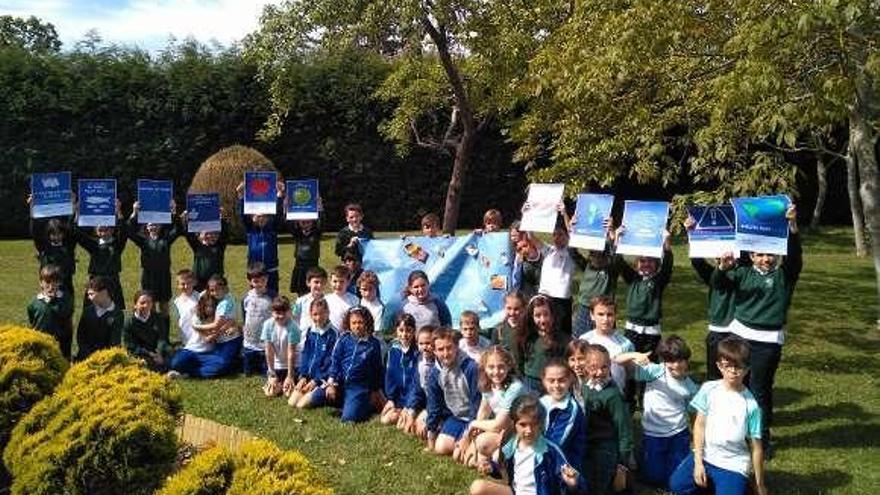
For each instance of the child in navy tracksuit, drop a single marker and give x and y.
(261, 232)
(565, 423)
(413, 417)
(355, 368)
(530, 462)
(453, 394)
(401, 369)
(314, 361)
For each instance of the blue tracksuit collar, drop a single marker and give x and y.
(567, 405)
(540, 447)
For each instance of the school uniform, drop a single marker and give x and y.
(228, 344)
(377, 311)
(566, 425)
(615, 344)
(505, 336)
(474, 351)
(537, 354)
(500, 401)
(609, 433)
(279, 337)
(155, 258)
(53, 316)
(431, 312)
(142, 336)
(306, 254)
(339, 305)
(317, 351)
(720, 308)
(262, 242)
(62, 254)
(105, 259)
(537, 469)
(197, 359)
(732, 417)
(256, 309)
(345, 236)
(184, 306)
(666, 440)
(400, 372)
(453, 396)
(416, 397)
(557, 270)
(761, 309)
(208, 260)
(594, 282)
(98, 328)
(526, 275)
(356, 370)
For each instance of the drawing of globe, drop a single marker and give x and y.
(764, 210)
(302, 196)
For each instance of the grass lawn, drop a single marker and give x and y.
(827, 431)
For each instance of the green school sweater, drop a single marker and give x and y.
(62, 255)
(762, 299)
(105, 259)
(608, 418)
(644, 296)
(538, 353)
(53, 316)
(209, 260)
(155, 253)
(505, 336)
(141, 337)
(721, 295)
(598, 281)
(94, 332)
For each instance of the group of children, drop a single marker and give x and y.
(546, 397)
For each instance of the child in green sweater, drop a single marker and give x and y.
(105, 256)
(51, 310)
(609, 431)
(145, 333)
(100, 325)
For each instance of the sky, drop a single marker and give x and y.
(147, 24)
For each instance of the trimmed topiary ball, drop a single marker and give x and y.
(210, 473)
(223, 171)
(109, 428)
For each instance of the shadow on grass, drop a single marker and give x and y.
(847, 410)
(816, 482)
(786, 396)
(848, 436)
(836, 364)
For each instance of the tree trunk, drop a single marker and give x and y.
(855, 203)
(822, 178)
(862, 140)
(459, 171)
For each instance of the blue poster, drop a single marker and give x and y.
(203, 212)
(714, 233)
(97, 202)
(761, 226)
(470, 272)
(154, 197)
(644, 223)
(302, 199)
(588, 229)
(260, 197)
(51, 195)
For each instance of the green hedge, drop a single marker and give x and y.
(259, 467)
(109, 428)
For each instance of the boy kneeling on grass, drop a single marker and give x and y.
(728, 422)
(280, 336)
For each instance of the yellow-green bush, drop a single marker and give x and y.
(259, 467)
(223, 171)
(109, 428)
(210, 473)
(31, 366)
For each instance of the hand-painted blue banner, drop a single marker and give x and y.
(761, 225)
(644, 223)
(714, 232)
(588, 229)
(260, 196)
(97, 202)
(51, 195)
(470, 272)
(302, 199)
(203, 212)
(154, 199)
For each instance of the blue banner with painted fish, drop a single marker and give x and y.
(470, 272)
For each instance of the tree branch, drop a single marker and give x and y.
(808, 149)
(428, 143)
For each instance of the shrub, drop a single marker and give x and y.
(31, 366)
(223, 171)
(259, 467)
(210, 473)
(108, 429)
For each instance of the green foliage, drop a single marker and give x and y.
(209, 473)
(109, 428)
(258, 467)
(29, 34)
